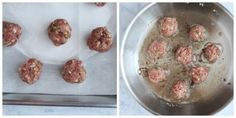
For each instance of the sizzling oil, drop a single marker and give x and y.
(203, 91)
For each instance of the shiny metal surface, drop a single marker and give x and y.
(133, 40)
(59, 100)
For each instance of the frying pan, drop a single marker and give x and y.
(219, 90)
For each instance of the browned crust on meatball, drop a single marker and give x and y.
(30, 71)
(100, 4)
(211, 52)
(180, 89)
(74, 71)
(100, 39)
(11, 33)
(197, 33)
(156, 75)
(199, 74)
(59, 31)
(184, 55)
(157, 49)
(168, 26)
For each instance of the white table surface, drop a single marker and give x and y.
(128, 105)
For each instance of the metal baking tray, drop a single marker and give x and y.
(99, 88)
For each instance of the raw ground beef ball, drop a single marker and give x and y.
(197, 33)
(11, 33)
(180, 89)
(59, 31)
(156, 75)
(100, 4)
(199, 74)
(30, 71)
(168, 26)
(73, 71)
(100, 39)
(184, 55)
(157, 49)
(211, 52)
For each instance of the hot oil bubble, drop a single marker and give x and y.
(218, 45)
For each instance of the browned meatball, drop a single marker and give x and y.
(59, 31)
(73, 71)
(100, 4)
(211, 52)
(168, 26)
(197, 33)
(184, 55)
(199, 74)
(30, 71)
(100, 39)
(180, 89)
(157, 49)
(11, 33)
(156, 75)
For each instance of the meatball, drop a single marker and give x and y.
(73, 71)
(184, 55)
(168, 26)
(59, 31)
(197, 33)
(100, 39)
(100, 4)
(199, 74)
(156, 75)
(30, 71)
(11, 33)
(180, 89)
(211, 52)
(157, 49)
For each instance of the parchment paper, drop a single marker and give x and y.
(34, 18)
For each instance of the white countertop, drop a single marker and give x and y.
(128, 105)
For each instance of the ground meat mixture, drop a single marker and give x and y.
(184, 55)
(11, 33)
(156, 75)
(30, 71)
(157, 49)
(59, 31)
(180, 89)
(197, 33)
(211, 52)
(100, 4)
(74, 71)
(168, 26)
(100, 39)
(198, 74)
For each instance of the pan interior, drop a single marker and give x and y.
(216, 91)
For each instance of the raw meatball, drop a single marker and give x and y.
(199, 74)
(73, 71)
(30, 71)
(180, 89)
(100, 4)
(156, 75)
(157, 49)
(211, 52)
(168, 26)
(11, 33)
(198, 33)
(184, 55)
(59, 31)
(100, 39)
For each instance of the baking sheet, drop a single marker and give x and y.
(34, 19)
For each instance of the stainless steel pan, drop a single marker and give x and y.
(217, 20)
